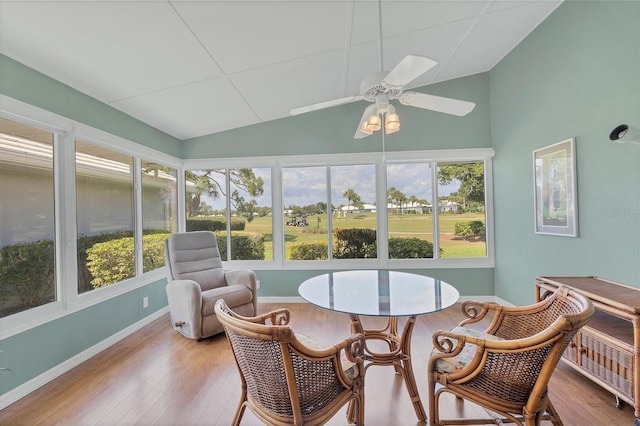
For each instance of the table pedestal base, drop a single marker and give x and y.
(399, 354)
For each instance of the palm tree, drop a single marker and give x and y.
(352, 197)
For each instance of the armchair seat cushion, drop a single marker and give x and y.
(234, 295)
(460, 361)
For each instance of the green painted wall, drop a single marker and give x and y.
(469, 282)
(40, 349)
(27, 85)
(577, 75)
(332, 130)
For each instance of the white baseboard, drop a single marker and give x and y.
(44, 378)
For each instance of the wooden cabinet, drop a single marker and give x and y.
(607, 349)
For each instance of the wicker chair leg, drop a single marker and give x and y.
(554, 417)
(241, 407)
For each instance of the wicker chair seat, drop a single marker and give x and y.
(460, 361)
(350, 368)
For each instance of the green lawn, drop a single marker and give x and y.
(406, 225)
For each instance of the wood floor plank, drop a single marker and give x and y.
(157, 377)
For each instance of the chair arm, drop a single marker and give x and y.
(241, 276)
(185, 306)
(353, 347)
(476, 311)
(279, 316)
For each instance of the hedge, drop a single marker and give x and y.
(410, 248)
(27, 274)
(309, 251)
(244, 245)
(355, 243)
(214, 225)
(474, 228)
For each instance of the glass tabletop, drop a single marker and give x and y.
(378, 293)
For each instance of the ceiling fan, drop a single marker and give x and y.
(383, 87)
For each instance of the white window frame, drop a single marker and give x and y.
(66, 132)
(380, 161)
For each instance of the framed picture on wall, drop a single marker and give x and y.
(555, 189)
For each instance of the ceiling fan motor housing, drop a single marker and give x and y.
(373, 86)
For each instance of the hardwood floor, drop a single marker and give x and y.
(156, 377)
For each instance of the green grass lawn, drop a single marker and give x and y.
(406, 225)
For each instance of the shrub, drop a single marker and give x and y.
(214, 225)
(244, 245)
(309, 251)
(354, 243)
(112, 261)
(410, 248)
(27, 274)
(474, 228)
(84, 244)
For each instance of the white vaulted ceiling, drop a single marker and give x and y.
(191, 68)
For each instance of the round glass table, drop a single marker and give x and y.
(389, 294)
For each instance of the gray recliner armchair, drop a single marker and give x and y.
(196, 280)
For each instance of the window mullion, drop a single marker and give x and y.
(329, 215)
(435, 207)
(66, 218)
(137, 214)
(381, 212)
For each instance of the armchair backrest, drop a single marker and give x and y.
(543, 331)
(286, 382)
(194, 256)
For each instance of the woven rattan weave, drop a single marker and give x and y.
(285, 381)
(506, 368)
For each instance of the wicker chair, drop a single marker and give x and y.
(507, 367)
(291, 379)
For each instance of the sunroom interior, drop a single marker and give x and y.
(575, 76)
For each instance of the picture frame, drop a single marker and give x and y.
(555, 189)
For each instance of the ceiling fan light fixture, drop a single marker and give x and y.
(391, 120)
(374, 123)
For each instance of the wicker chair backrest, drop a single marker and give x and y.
(271, 364)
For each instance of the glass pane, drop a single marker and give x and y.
(105, 215)
(461, 205)
(409, 211)
(27, 255)
(252, 238)
(353, 196)
(159, 211)
(206, 203)
(305, 213)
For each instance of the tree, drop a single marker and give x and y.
(397, 197)
(206, 182)
(352, 197)
(471, 178)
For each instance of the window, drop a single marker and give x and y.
(461, 209)
(410, 210)
(27, 225)
(236, 204)
(159, 211)
(353, 199)
(304, 199)
(427, 209)
(105, 216)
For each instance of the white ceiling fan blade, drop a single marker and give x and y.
(322, 105)
(437, 103)
(408, 69)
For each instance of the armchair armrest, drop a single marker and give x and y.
(241, 276)
(185, 306)
(278, 316)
